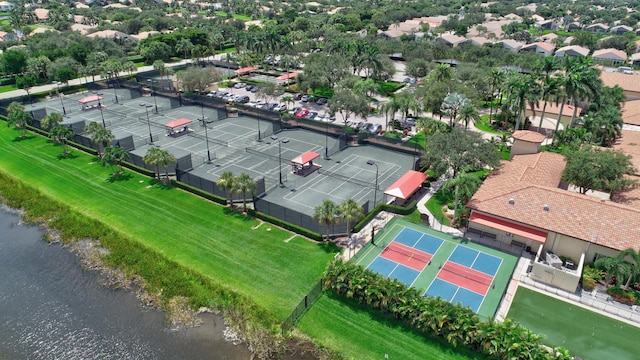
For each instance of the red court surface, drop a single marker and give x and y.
(465, 277)
(406, 256)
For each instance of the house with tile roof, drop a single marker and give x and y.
(540, 47)
(511, 45)
(452, 40)
(574, 26)
(599, 27)
(631, 112)
(524, 203)
(572, 50)
(629, 83)
(635, 59)
(609, 56)
(620, 29)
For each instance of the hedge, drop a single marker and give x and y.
(209, 196)
(283, 224)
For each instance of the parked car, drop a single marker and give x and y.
(305, 98)
(280, 108)
(254, 89)
(311, 115)
(322, 101)
(358, 126)
(212, 94)
(249, 87)
(242, 99)
(239, 85)
(366, 127)
(271, 106)
(295, 109)
(410, 122)
(374, 129)
(221, 94)
(302, 113)
(297, 96)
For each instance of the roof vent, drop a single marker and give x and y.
(545, 207)
(512, 201)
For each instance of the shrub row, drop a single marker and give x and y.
(194, 190)
(283, 224)
(436, 317)
(629, 297)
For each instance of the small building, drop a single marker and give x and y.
(572, 50)
(479, 41)
(452, 40)
(6, 6)
(620, 29)
(543, 48)
(547, 25)
(610, 56)
(574, 26)
(526, 142)
(549, 38)
(635, 59)
(598, 27)
(511, 45)
(629, 83)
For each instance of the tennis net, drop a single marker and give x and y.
(425, 258)
(260, 153)
(471, 275)
(346, 178)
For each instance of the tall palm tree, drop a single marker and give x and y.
(442, 73)
(464, 186)
(114, 156)
(326, 213)
(495, 78)
(288, 99)
(100, 136)
(350, 211)
(184, 46)
(431, 126)
(468, 113)
(51, 120)
(245, 184)
(227, 181)
(62, 135)
(152, 157)
(549, 93)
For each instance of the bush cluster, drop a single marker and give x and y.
(458, 325)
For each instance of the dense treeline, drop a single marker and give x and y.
(433, 316)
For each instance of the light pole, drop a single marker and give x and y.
(146, 107)
(206, 134)
(114, 91)
(326, 142)
(280, 160)
(153, 92)
(104, 125)
(375, 190)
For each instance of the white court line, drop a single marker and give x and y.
(439, 246)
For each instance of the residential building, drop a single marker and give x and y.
(610, 56)
(511, 45)
(599, 27)
(572, 50)
(6, 6)
(543, 48)
(630, 84)
(574, 26)
(452, 40)
(620, 29)
(635, 59)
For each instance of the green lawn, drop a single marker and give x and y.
(7, 88)
(366, 335)
(435, 204)
(265, 263)
(583, 332)
(235, 16)
(484, 125)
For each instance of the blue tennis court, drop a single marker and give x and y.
(419, 240)
(476, 260)
(455, 294)
(394, 270)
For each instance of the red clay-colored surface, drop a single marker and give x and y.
(465, 277)
(406, 256)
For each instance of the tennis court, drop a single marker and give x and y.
(440, 265)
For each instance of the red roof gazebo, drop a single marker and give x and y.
(303, 164)
(287, 76)
(246, 70)
(404, 187)
(182, 123)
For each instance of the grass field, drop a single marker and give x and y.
(232, 249)
(366, 335)
(583, 332)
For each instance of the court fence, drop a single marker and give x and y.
(305, 304)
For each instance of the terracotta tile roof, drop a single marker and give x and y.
(532, 182)
(554, 109)
(578, 49)
(610, 54)
(529, 136)
(625, 81)
(630, 197)
(629, 144)
(631, 112)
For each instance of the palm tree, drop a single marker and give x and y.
(61, 135)
(442, 73)
(114, 156)
(350, 211)
(431, 126)
(51, 121)
(245, 184)
(467, 113)
(612, 266)
(464, 185)
(160, 67)
(550, 90)
(152, 157)
(18, 118)
(452, 104)
(495, 79)
(100, 136)
(631, 257)
(288, 99)
(326, 213)
(184, 46)
(227, 181)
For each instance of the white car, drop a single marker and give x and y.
(280, 108)
(239, 85)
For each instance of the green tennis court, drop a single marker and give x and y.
(584, 333)
(450, 267)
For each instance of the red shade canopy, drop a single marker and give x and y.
(508, 226)
(404, 187)
(178, 123)
(287, 76)
(246, 70)
(89, 99)
(305, 157)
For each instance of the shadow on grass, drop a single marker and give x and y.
(236, 213)
(66, 155)
(160, 184)
(23, 138)
(391, 322)
(329, 247)
(116, 177)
